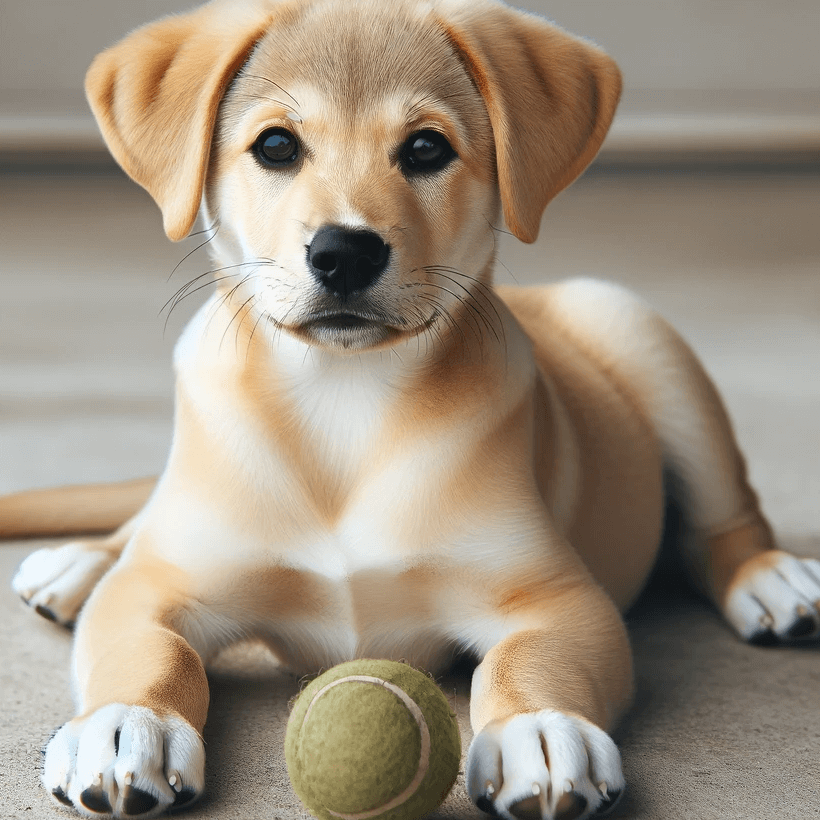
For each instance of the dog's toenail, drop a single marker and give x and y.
(45, 612)
(95, 799)
(136, 801)
(609, 803)
(60, 795)
(117, 742)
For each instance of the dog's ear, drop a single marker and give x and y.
(156, 93)
(550, 96)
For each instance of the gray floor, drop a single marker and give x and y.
(719, 729)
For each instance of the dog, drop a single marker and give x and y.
(376, 453)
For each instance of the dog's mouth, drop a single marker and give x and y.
(357, 331)
(342, 321)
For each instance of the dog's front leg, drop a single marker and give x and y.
(135, 747)
(542, 701)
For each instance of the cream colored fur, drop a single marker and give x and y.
(461, 469)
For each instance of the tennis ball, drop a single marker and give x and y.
(372, 739)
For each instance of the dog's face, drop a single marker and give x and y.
(351, 156)
(353, 177)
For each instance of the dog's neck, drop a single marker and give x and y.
(430, 376)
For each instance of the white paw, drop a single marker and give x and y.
(775, 597)
(57, 582)
(544, 765)
(124, 761)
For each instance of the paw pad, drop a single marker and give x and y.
(136, 801)
(95, 799)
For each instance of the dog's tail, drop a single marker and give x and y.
(80, 510)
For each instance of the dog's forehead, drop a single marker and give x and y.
(358, 54)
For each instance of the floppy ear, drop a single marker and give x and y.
(550, 97)
(156, 93)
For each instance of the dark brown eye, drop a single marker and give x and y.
(277, 147)
(426, 152)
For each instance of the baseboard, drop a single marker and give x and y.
(661, 138)
(636, 139)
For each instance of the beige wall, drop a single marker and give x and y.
(690, 58)
(698, 44)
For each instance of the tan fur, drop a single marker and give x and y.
(72, 510)
(734, 555)
(484, 471)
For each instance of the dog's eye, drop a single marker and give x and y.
(277, 147)
(425, 152)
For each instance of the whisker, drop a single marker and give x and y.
(475, 328)
(435, 329)
(261, 316)
(499, 230)
(483, 290)
(267, 80)
(225, 298)
(279, 325)
(202, 245)
(249, 96)
(448, 318)
(181, 291)
(191, 293)
(204, 230)
(252, 298)
(512, 275)
(469, 302)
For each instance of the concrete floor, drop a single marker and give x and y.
(719, 729)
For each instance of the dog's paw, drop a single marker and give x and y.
(125, 761)
(57, 582)
(544, 765)
(775, 598)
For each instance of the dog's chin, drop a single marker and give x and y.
(351, 333)
(346, 333)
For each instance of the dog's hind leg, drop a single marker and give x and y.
(766, 594)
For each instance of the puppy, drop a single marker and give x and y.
(377, 454)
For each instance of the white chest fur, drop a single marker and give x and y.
(342, 400)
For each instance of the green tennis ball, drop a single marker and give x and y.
(372, 739)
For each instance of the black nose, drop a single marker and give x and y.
(345, 261)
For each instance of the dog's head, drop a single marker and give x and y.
(353, 155)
